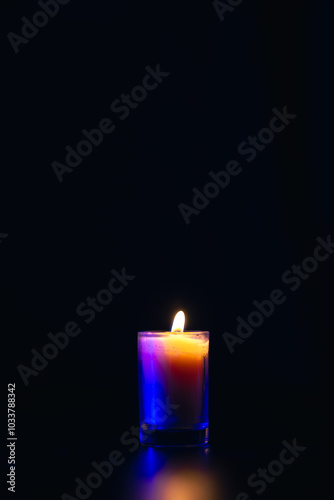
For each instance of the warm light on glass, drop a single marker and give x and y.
(178, 323)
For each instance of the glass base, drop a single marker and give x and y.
(174, 437)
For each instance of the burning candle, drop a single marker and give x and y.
(173, 385)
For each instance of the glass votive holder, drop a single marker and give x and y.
(173, 387)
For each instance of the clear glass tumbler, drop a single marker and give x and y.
(173, 388)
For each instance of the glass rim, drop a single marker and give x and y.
(165, 332)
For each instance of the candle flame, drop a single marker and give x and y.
(178, 323)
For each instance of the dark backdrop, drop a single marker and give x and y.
(120, 209)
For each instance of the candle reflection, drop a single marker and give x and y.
(183, 484)
(178, 475)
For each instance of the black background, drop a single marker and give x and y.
(119, 208)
